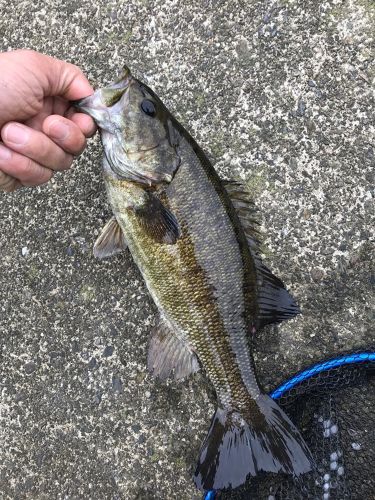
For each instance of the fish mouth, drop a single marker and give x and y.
(80, 103)
(96, 103)
(93, 107)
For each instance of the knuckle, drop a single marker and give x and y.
(66, 162)
(26, 167)
(30, 52)
(31, 173)
(75, 143)
(51, 154)
(74, 69)
(80, 145)
(7, 183)
(47, 175)
(73, 140)
(43, 176)
(25, 52)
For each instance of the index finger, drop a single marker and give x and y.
(84, 122)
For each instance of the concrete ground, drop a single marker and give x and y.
(277, 92)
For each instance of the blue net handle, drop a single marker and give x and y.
(347, 359)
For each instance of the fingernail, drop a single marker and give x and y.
(58, 130)
(16, 134)
(5, 153)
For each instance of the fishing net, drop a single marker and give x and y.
(333, 405)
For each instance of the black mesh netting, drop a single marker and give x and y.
(335, 411)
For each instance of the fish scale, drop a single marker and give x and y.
(200, 318)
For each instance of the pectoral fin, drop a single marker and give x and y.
(111, 240)
(274, 301)
(168, 355)
(158, 221)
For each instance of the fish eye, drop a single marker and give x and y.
(148, 107)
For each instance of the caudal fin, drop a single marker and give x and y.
(235, 449)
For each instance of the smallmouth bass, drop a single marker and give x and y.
(192, 236)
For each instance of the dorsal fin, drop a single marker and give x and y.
(247, 212)
(274, 301)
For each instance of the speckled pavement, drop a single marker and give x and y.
(279, 93)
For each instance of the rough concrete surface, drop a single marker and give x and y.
(279, 93)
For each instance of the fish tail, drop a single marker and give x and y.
(238, 446)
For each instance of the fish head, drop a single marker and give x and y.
(138, 136)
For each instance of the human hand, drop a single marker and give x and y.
(40, 131)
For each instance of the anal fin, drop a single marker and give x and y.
(168, 355)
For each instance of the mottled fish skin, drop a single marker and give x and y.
(200, 284)
(191, 245)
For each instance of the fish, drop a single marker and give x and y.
(195, 241)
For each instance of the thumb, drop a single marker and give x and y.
(64, 79)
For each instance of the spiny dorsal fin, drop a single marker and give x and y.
(246, 210)
(111, 240)
(168, 355)
(274, 301)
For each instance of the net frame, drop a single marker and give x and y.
(307, 392)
